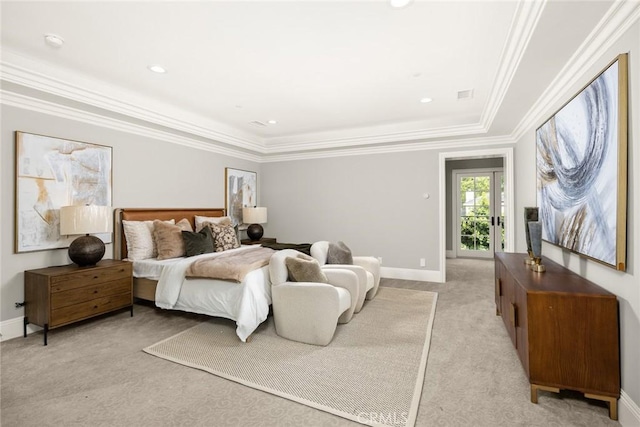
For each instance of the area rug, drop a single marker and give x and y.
(372, 372)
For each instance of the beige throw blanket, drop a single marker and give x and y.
(232, 266)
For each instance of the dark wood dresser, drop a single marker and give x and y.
(61, 295)
(564, 328)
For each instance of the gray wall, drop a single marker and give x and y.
(451, 165)
(146, 173)
(625, 285)
(374, 203)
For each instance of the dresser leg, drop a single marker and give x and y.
(25, 322)
(131, 308)
(613, 403)
(46, 329)
(535, 388)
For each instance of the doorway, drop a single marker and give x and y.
(479, 212)
(506, 154)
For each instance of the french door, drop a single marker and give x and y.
(480, 213)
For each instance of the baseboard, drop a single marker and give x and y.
(450, 254)
(12, 328)
(411, 274)
(628, 411)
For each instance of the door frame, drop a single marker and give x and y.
(507, 164)
(455, 223)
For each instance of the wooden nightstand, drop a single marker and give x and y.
(58, 296)
(258, 242)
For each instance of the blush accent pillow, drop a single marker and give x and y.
(169, 238)
(201, 220)
(198, 243)
(339, 253)
(224, 236)
(304, 268)
(140, 240)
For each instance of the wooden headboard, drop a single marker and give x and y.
(147, 214)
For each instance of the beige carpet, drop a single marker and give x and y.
(372, 372)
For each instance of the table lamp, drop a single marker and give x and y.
(85, 250)
(254, 216)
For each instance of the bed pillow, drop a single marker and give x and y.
(140, 240)
(169, 238)
(339, 253)
(303, 268)
(224, 236)
(221, 220)
(198, 243)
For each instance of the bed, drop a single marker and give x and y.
(247, 302)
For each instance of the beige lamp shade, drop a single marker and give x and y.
(254, 215)
(85, 220)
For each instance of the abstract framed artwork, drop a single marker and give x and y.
(581, 164)
(241, 190)
(51, 173)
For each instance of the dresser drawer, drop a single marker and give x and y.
(87, 293)
(81, 278)
(83, 310)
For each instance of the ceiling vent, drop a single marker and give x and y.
(258, 124)
(465, 94)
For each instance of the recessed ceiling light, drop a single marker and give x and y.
(272, 122)
(157, 69)
(53, 40)
(399, 3)
(426, 100)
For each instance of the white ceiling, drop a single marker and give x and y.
(332, 73)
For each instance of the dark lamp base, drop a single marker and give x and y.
(86, 250)
(255, 232)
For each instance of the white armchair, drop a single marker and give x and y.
(309, 312)
(366, 267)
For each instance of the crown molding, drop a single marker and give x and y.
(365, 136)
(54, 109)
(448, 144)
(54, 80)
(524, 23)
(618, 19)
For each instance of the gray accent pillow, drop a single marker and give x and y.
(339, 253)
(303, 268)
(198, 243)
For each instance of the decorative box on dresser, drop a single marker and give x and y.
(61, 295)
(564, 328)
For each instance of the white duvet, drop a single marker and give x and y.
(247, 303)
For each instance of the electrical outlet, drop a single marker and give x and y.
(423, 262)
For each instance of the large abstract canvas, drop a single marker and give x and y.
(51, 173)
(582, 170)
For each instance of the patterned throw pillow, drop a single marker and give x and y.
(224, 237)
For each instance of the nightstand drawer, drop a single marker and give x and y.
(87, 278)
(87, 293)
(90, 308)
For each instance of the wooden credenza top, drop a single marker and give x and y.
(556, 279)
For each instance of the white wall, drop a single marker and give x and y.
(146, 173)
(625, 285)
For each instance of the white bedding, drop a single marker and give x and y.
(247, 303)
